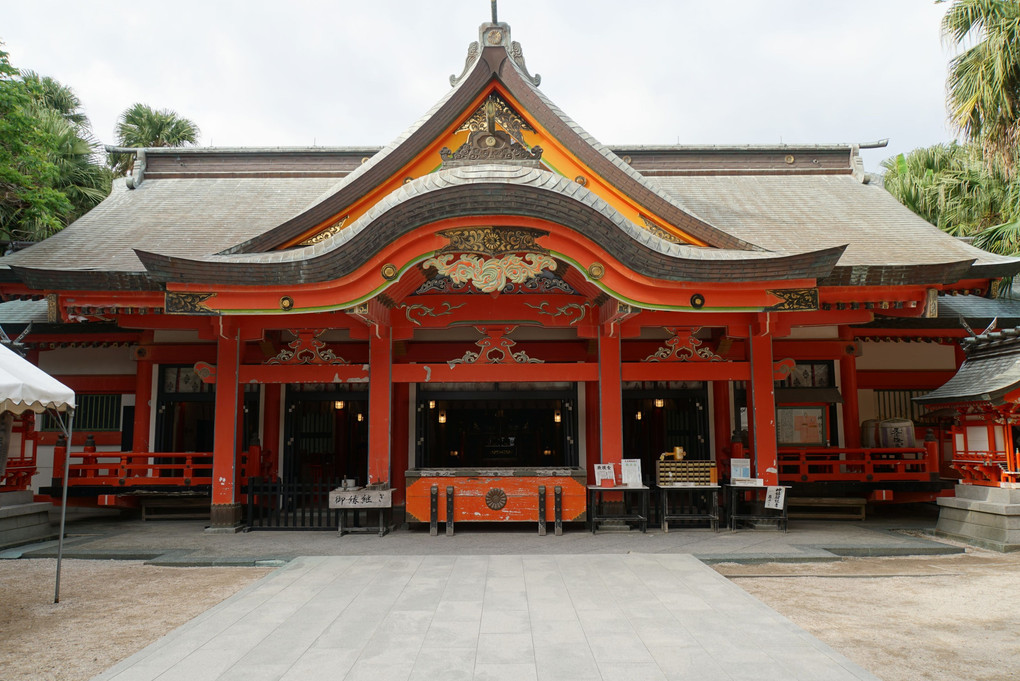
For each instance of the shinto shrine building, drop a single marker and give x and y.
(495, 297)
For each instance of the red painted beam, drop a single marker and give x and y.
(686, 371)
(99, 383)
(902, 380)
(487, 373)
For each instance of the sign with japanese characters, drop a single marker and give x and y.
(775, 497)
(604, 472)
(630, 471)
(361, 498)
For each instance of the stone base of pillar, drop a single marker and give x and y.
(988, 517)
(225, 519)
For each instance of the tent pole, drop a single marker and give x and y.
(67, 429)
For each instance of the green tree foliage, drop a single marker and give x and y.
(972, 188)
(30, 206)
(983, 88)
(947, 185)
(50, 164)
(142, 126)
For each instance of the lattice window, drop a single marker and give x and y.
(899, 404)
(92, 413)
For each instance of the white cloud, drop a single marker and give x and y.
(656, 72)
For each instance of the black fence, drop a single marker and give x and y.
(280, 505)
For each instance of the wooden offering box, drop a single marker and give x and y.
(495, 494)
(672, 473)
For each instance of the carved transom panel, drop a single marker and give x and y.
(683, 347)
(307, 349)
(495, 348)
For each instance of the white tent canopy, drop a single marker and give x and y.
(26, 387)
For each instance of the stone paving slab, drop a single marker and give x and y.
(574, 617)
(184, 543)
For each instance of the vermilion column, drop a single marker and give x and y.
(610, 397)
(763, 409)
(380, 402)
(143, 406)
(226, 512)
(848, 382)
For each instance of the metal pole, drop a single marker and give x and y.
(63, 506)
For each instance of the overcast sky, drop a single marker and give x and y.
(343, 73)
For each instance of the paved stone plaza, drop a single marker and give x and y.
(562, 617)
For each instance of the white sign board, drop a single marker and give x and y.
(604, 471)
(775, 497)
(361, 498)
(630, 471)
(740, 468)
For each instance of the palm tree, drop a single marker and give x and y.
(947, 185)
(51, 94)
(142, 126)
(984, 80)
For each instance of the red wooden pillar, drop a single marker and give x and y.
(763, 409)
(848, 382)
(143, 406)
(592, 427)
(226, 512)
(380, 402)
(271, 430)
(401, 437)
(721, 427)
(610, 395)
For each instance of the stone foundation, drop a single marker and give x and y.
(225, 518)
(23, 520)
(988, 517)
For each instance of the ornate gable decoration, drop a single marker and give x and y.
(490, 275)
(491, 258)
(504, 116)
(493, 240)
(683, 347)
(486, 144)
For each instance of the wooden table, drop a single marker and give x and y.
(711, 514)
(596, 501)
(736, 514)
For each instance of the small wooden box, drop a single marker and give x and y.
(685, 473)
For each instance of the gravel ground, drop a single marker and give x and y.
(108, 611)
(937, 618)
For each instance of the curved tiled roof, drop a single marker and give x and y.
(991, 370)
(484, 190)
(790, 214)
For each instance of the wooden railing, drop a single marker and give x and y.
(283, 505)
(987, 468)
(834, 464)
(124, 470)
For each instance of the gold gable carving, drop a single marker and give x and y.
(493, 240)
(502, 114)
(332, 230)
